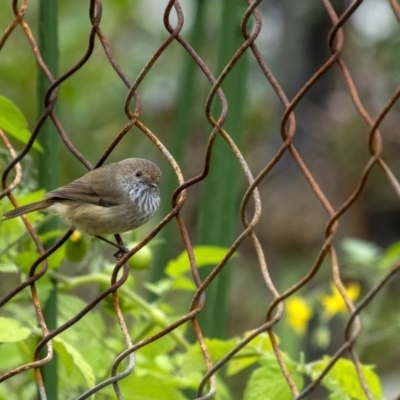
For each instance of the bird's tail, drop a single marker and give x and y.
(17, 212)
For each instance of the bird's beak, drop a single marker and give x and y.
(152, 184)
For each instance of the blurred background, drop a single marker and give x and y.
(331, 137)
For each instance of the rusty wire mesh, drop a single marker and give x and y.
(327, 251)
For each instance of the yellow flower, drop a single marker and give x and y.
(299, 314)
(334, 302)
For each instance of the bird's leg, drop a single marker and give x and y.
(121, 249)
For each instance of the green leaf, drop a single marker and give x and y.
(12, 331)
(25, 259)
(25, 314)
(159, 347)
(91, 327)
(339, 396)
(262, 343)
(250, 354)
(10, 357)
(56, 258)
(159, 287)
(268, 383)
(148, 387)
(73, 359)
(183, 283)
(7, 266)
(342, 379)
(23, 199)
(218, 348)
(193, 360)
(240, 363)
(17, 249)
(361, 252)
(390, 257)
(204, 255)
(14, 123)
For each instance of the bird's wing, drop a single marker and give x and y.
(87, 189)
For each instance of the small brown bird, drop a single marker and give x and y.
(112, 199)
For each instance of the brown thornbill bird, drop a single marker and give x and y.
(112, 199)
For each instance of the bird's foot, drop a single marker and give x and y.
(121, 252)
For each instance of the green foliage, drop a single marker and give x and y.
(204, 255)
(12, 331)
(13, 122)
(17, 250)
(268, 379)
(369, 256)
(14, 236)
(170, 367)
(361, 252)
(177, 268)
(342, 381)
(73, 359)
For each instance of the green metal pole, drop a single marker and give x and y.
(48, 161)
(219, 214)
(184, 116)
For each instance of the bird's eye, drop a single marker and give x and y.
(138, 174)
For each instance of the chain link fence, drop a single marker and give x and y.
(372, 139)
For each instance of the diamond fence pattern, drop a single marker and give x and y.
(251, 28)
